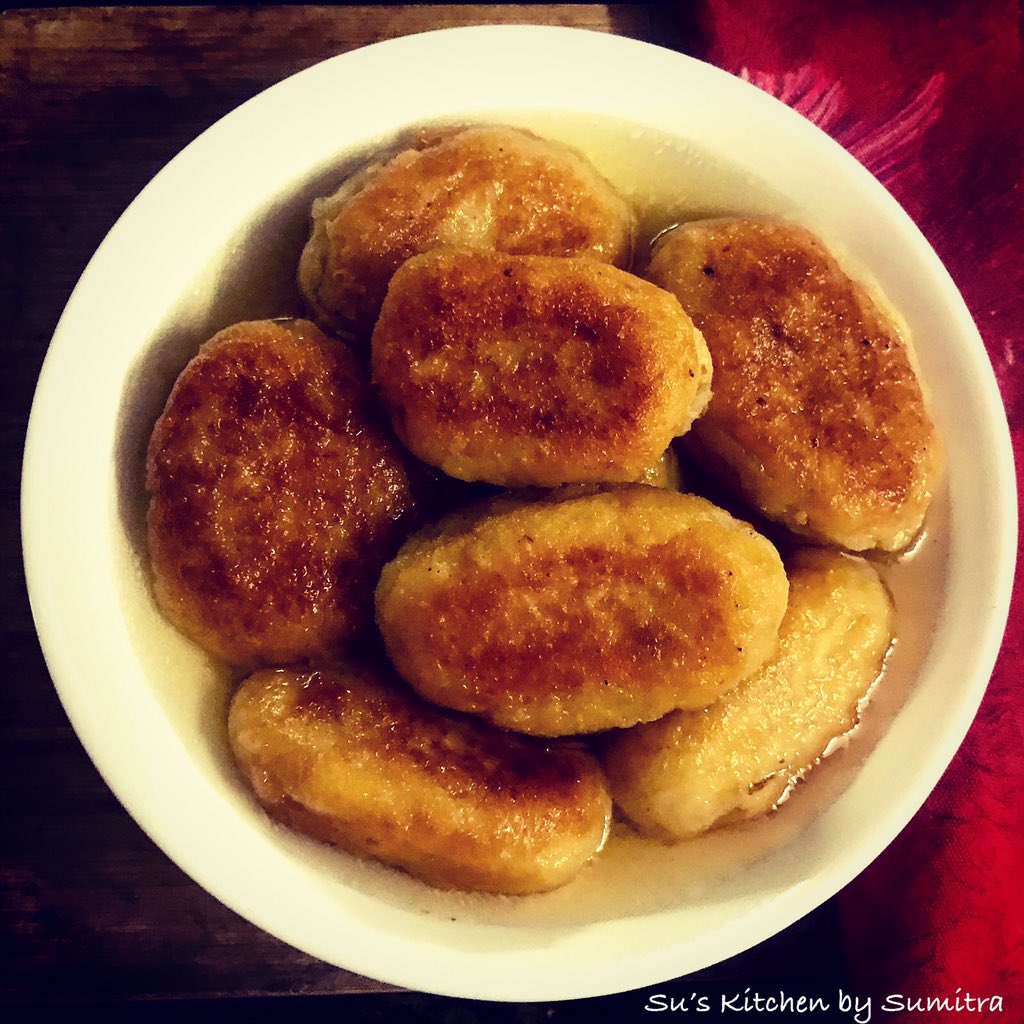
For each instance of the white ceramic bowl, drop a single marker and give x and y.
(214, 238)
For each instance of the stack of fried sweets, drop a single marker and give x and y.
(446, 544)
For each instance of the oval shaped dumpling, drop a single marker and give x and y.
(530, 370)
(346, 757)
(277, 492)
(817, 418)
(494, 188)
(691, 770)
(572, 616)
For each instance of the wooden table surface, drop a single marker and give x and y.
(95, 102)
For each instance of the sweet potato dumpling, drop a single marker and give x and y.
(277, 492)
(493, 188)
(344, 755)
(532, 370)
(575, 615)
(818, 418)
(681, 775)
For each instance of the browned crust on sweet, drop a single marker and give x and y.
(495, 188)
(818, 416)
(460, 755)
(582, 614)
(350, 758)
(524, 370)
(276, 494)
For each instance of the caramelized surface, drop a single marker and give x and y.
(817, 418)
(347, 757)
(681, 775)
(524, 370)
(276, 495)
(492, 188)
(570, 616)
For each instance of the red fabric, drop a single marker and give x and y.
(930, 97)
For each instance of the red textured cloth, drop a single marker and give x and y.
(930, 97)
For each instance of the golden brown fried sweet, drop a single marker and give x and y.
(493, 188)
(681, 775)
(277, 492)
(347, 757)
(560, 617)
(533, 370)
(817, 418)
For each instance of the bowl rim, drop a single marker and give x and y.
(502, 975)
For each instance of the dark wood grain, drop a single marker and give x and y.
(95, 101)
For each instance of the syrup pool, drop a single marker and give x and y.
(667, 180)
